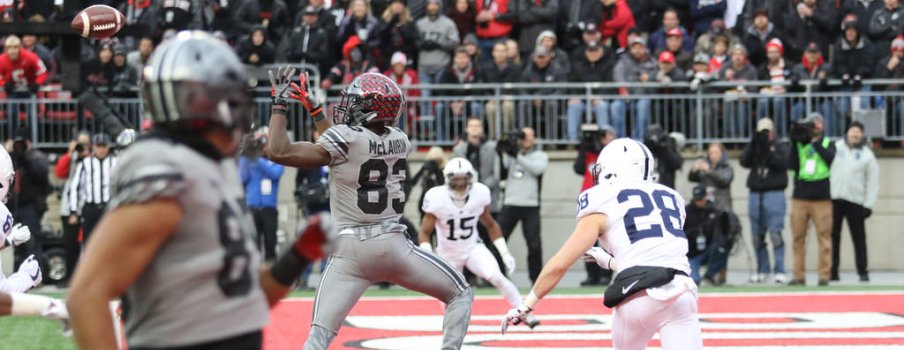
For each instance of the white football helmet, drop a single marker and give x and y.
(7, 174)
(455, 168)
(622, 160)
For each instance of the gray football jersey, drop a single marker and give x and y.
(203, 284)
(367, 175)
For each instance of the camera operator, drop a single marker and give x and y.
(79, 148)
(524, 165)
(593, 140)
(260, 176)
(711, 233)
(767, 159)
(811, 200)
(665, 152)
(30, 189)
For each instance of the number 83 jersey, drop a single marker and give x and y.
(644, 225)
(367, 172)
(456, 227)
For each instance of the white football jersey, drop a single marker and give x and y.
(456, 227)
(644, 225)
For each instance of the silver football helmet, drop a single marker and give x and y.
(195, 81)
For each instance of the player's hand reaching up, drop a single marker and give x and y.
(515, 316)
(279, 85)
(304, 95)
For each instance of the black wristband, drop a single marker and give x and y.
(288, 268)
(279, 101)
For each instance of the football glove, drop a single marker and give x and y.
(515, 316)
(279, 85)
(309, 244)
(600, 257)
(18, 235)
(304, 95)
(509, 262)
(31, 267)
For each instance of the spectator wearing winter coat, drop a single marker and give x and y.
(757, 34)
(464, 15)
(124, 81)
(852, 51)
(138, 58)
(777, 71)
(405, 77)
(669, 72)
(560, 58)
(499, 70)
(863, 10)
(272, 15)
(670, 21)
(855, 186)
(811, 21)
(591, 34)
(705, 12)
(540, 70)
(885, 24)
(634, 66)
(360, 20)
(714, 173)
(255, 49)
(673, 45)
(309, 43)
(719, 54)
(451, 116)
(438, 37)
(737, 111)
(495, 20)
(398, 33)
(617, 19)
(704, 42)
(575, 18)
(325, 20)
(812, 67)
(595, 65)
(534, 17)
(98, 71)
(892, 67)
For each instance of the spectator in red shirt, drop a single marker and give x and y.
(21, 71)
(617, 20)
(494, 23)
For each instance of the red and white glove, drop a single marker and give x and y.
(309, 244)
(303, 94)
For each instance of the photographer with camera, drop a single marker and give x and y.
(767, 159)
(79, 148)
(711, 234)
(665, 152)
(524, 164)
(260, 177)
(28, 200)
(715, 174)
(811, 200)
(593, 140)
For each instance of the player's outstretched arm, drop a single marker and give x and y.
(277, 280)
(426, 231)
(130, 235)
(280, 149)
(585, 234)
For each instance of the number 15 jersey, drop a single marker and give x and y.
(367, 173)
(456, 227)
(644, 225)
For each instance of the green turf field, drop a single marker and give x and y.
(34, 333)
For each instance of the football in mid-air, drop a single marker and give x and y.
(98, 22)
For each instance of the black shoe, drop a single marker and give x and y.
(864, 277)
(385, 285)
(823, 283)
(590, 282)
(835, 277)
(797, 283)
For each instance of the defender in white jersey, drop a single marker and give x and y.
(29, 273)
(641, 223)
(367, 156)
(453, 210)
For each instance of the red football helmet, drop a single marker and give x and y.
(370, 98)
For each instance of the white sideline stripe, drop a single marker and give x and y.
(600, 295)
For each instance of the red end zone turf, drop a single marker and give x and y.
(841, 320)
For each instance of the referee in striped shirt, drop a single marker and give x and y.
(89, 188)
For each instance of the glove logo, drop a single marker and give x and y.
(625, 290)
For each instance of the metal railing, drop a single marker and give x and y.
(436, 114)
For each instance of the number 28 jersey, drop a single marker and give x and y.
(367, 173)
(456, 227)
(644, 225)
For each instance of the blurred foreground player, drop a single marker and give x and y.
(367, 156)
(640, 222)
(176, 241)
(453, 210)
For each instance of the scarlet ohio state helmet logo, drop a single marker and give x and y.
(374, 93)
